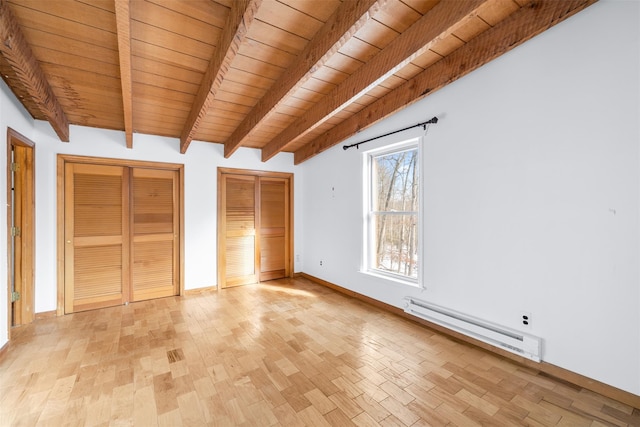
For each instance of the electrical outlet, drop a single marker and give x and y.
(525, 319)
(321, 263)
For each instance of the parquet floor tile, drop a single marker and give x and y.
(282, 353)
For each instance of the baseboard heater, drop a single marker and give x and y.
(508, 339)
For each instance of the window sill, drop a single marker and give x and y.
(392, 278)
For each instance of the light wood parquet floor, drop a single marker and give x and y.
(283, 353)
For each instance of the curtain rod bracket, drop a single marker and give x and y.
(423, 124)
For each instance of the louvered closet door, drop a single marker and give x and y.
(239, 223)
(274, 230)
(155, 252)
(96, 236)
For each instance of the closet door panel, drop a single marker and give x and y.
(274, 222)
(238, 229)
(154, 212)
(96, 229)
(240, 260)
(272, 258)
(98, 275)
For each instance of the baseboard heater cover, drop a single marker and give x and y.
(511, 340)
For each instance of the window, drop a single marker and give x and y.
(392, 213)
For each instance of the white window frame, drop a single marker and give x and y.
(368, 249)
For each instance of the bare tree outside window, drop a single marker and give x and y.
(394, 212)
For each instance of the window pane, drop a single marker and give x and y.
(395, 186)
(396, 248)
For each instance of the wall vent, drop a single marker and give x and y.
(508, 339)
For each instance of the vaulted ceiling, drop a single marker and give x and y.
(278, 75)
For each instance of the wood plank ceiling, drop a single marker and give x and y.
(278, 75)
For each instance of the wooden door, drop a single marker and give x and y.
(21, 227)
(274, 229)
(254, 226)
(121, 234)
(17, 246)
(155, 251)
(96, 250)
(238, 224)
(16, 234)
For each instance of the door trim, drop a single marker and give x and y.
(62, 159)
(221, 255)
(27, 225)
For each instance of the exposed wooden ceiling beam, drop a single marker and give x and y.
(438, 23)
(123, 24)
(521, 26)
(240, 19)
(18, 54)
(339, 28)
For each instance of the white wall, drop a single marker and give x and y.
(531, 184)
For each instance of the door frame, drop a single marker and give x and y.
(62, 160)
(27, 228)
(221, 255)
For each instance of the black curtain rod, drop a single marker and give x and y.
(432, 120)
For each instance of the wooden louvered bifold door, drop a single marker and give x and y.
(254, 226)
(155, 233)
(96, 236)
(239, 266)
(274, 220)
